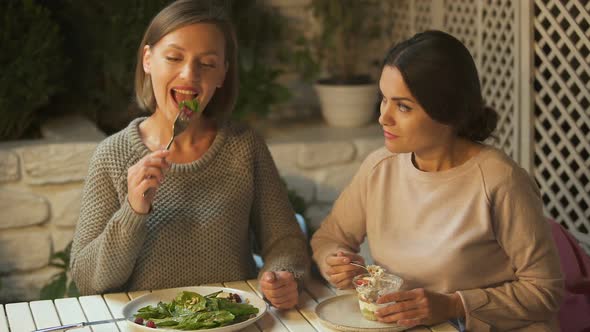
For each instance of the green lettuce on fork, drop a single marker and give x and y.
(189, 107)
(192, 311)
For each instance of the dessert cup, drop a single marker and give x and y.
(370, 288)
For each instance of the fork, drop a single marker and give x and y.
(79, 325)
(180, 124)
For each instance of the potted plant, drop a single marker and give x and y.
(347, 94)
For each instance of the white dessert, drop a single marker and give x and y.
(368, 309)
(375, 271)
(372, 285)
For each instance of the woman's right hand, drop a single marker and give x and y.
(340, 272)
(147, 173)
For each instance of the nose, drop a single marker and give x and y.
(386, 117)
(191, 72)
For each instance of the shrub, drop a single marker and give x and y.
(32, 62)
(261, 33)
(104, 36)
(347, 29)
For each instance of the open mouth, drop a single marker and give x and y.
(180, 95)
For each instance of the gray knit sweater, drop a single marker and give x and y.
(201, 223)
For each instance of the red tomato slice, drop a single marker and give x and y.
(361, 282)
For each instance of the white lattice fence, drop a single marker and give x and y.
(402, 20)
(487, 28)
(462, 19)
(497, 68)
(422, 15)
(562, 111)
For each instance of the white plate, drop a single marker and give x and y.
(167, 295)
(343, 313)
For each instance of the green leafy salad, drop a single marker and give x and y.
(189, 107)
(193, 311)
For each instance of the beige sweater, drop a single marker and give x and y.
(477, 228)
(201, 221)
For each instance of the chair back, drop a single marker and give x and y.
(574, 314)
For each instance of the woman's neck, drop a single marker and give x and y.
(445, 156)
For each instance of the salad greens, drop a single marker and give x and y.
(192, 105)
(192, 311)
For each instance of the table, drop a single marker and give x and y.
(28, 316)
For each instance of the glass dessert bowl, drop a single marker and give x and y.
(370, 286)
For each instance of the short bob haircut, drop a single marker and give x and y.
(441, 74)
(177, 15)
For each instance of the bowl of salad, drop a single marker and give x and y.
(198, 308)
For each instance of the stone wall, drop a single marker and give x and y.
(318, 171)
(40, 189)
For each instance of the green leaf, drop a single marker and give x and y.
(58, 265)
(238, 309)
(56, 288)
(190, 302)
(151, 312)
(212, 304)
(61, 256)
(192, 105)
(205, 320)
(214, 294)
(168, 321)
(72, 290)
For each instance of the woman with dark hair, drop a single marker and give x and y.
(458, 220)
(215, 188)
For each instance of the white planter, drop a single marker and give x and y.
(347, 105)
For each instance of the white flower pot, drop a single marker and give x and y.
(347, 105)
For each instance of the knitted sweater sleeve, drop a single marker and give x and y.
(524, 234)
(283, 245)
(109, 235)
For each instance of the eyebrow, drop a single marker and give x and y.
(397, 98)
(178, 47)
(402, 99)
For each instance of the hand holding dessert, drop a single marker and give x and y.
(373, 286)
(419, 307)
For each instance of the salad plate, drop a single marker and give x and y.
(343, 313)
(167, 295)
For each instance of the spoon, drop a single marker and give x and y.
(358, 265)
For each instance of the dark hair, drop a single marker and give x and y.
(175, 16)
(441, 74)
